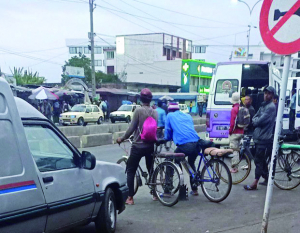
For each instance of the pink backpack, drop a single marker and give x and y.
(149, 129)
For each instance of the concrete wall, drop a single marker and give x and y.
(99, 135)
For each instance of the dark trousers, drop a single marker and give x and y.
(192, 150)
(263, 154)
(160, 133)
(133, 162)
(292, 119)
(200, 109)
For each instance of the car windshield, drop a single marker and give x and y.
(78, 108)
(125, 108)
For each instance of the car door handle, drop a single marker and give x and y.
(48, 179)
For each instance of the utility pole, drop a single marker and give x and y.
(92, 48)
(249, 31)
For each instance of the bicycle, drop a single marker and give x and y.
(168, 189)
(244, 163)
(287, 176)
(214, 175)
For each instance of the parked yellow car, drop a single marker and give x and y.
(124, 113)
(82, 114)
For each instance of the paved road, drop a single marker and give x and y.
(241, 212)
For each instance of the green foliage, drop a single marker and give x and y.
(85, 63)
(24, 77)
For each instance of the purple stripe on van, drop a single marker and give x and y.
(219, 123)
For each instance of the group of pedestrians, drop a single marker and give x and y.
(261, 127)
(178, 127)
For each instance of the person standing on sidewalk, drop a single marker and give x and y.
(248, 104)
(292, 111)
(161, 120)
(235, 133)
(139, 147)
(263, 122)
(191, 106)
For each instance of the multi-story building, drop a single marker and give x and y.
(151, 58)
(104, 53)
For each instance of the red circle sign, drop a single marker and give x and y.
(268, 35)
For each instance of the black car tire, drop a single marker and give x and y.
(100, 120)
(112, 120)
(80, 121)
(106, 220)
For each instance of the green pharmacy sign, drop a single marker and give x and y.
(196, 76)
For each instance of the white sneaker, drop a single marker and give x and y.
(245, 167)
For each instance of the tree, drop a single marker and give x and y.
(83, 62)
(106, 78)
(24, 77)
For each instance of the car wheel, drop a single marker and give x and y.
(128, 119)
(100, 120)
(64, 124)
(80, 121)
(112, 121)
(107, 217)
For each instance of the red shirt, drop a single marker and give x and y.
(234, 112)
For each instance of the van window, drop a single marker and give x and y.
(224, 90)
(48, 150)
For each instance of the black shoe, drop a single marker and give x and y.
(264, 183)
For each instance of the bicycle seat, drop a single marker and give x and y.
(170, 155)
(213, 151)
(160, 141)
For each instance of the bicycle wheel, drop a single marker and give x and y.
(167, 179)
(283, 174)
(243, 166)
(216, 181)
(123, 162)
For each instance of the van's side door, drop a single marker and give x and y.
(68, 189)
(23, 208)
(297, 121)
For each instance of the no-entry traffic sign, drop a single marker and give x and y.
(280, 25)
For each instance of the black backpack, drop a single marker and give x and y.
(243, 118)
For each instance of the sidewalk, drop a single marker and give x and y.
(285, 223)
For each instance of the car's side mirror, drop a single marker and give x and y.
(88, 160)
(87, 111)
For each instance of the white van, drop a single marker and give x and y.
(46, 184)
(293, 83)
(230, 77)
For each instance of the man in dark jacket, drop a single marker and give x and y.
(263, 122)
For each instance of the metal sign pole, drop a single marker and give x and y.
(265, 221)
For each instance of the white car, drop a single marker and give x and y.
(46, 184)
(124, 113)
(183, 108)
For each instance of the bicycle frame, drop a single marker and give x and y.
(194, 174)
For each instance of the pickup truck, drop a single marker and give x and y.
(46, 184)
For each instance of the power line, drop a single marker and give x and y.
(173, 26)
(157, 19)
(193, 16)
(121, 11)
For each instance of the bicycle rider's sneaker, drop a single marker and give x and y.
(194, 193)
(245, 167)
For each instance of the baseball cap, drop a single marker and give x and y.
(173, 106)
(270, 89)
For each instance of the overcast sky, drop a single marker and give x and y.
(33, 32)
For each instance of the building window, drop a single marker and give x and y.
(98, 62)
(97, 50)
(200, 49)
(164, 51)
(173, 54)
(110, 55)
(79, 50)
(86, 50)
(110, 69)
(72, 50)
